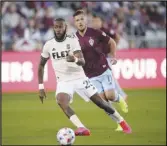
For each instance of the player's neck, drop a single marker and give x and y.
(82, 33)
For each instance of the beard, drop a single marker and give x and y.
(82, 30)
(59, 39)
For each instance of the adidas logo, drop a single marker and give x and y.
(53, 49)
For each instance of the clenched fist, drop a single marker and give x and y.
(70, 58)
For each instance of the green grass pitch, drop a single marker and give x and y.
(25, 121)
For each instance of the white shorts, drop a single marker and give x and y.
(85, 88)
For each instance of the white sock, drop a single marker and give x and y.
(116, 116)
(75, 120)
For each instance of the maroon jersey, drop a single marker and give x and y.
(110, 33)
(93, 43)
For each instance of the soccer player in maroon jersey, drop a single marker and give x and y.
(94, 43)
(97, 23)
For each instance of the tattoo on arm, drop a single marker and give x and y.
(41, 69)
(79, 55)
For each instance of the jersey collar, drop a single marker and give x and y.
(62, 39)
(84, 34)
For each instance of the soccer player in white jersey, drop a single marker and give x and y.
(67, 61)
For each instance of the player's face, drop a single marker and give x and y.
(59, 28)
(80, 22)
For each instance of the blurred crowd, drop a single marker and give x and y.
(27, 25)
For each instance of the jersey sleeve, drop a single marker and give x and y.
(45, 51)
(103, 36)
(76, 45)
(104, 39)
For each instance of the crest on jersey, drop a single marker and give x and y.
(104, 34)
(68, 46)
(91, 41)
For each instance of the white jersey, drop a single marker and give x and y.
(58, 51)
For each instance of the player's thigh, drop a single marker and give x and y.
(98, 84)
(108, 81)
(85, 87)
(108, 84)
(64, 91)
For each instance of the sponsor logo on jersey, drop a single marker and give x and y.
(91, 41)
(60, 55)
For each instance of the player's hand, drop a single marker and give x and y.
(70, 58)
(113, 61)
(42, 95)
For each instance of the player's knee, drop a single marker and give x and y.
(110, 95)
(63, 100)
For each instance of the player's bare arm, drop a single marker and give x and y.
(41, 66)
(112, 46)
(112, 53)
(117, 38)
(76, 57)
(79, 55)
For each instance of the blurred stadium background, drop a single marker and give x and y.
(141, 27)
(140, 24)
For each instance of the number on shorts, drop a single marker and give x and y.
(109, 79)
(87, 84)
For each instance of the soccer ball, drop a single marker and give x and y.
(66, 136)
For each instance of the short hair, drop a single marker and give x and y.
(60, 19)
(78, 12)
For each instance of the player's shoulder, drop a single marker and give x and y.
(71, 35)
(49, 42)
